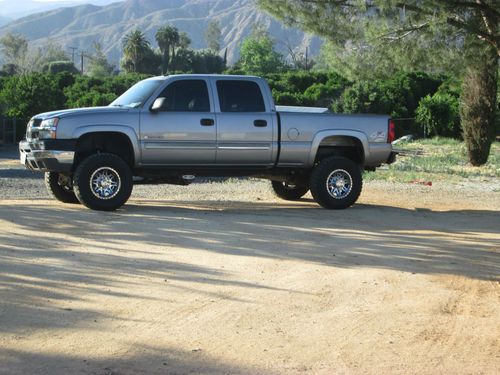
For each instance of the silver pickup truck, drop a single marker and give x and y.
(174, 128)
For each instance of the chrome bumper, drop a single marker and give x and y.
(33, 157)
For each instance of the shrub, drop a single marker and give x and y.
(55, 67)
(26, 95)
(398, 97)
(438, 115)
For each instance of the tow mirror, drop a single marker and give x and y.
(157, 104)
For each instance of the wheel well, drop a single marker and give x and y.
(348, 147)
(110, 142)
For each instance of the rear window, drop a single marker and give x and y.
(240, 96)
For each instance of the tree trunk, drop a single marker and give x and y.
(478, 101)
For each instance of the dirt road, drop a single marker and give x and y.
(405, 282)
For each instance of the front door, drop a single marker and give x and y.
(183, 131)
(244, 124)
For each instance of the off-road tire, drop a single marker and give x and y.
(333, 169)
(86, 173)
(289, 192)
(58, 189)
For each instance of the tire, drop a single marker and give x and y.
(336, 182)
(287, 191)
(103, 182)
(60, 187)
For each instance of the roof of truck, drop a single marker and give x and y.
(205, 75)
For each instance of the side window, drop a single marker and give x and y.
(240, 96)
(186, 96)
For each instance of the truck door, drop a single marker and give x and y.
(245, 124)
(183, 131)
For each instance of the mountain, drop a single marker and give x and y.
(80, 26)
(4, 20)
(13, 9)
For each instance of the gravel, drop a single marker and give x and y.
(18, 183)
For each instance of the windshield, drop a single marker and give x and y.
(135, 96)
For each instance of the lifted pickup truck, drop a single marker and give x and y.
(174, 128)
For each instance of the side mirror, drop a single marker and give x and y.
(157, 104)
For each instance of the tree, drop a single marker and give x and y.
(257, 55)
(99, 65)
(136, 52)
(366, 23)
(21, 95)
(168, 39)
(14, 49)
(207, 62)
(55, 67)
(213, 35)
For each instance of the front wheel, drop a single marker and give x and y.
(288, 191)
(103, 182)
(60, 187)
(336, 182)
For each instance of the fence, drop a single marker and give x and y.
(11, 129)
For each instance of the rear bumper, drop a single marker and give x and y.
(47, 156)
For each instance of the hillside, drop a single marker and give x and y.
(80, 26)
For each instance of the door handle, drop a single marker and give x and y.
(207, 122)
(260, 123)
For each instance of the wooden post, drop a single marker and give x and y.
(14, 130)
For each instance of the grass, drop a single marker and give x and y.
(442, 159)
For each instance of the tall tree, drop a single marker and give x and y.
(99, 65)
(257, 54)
(213, 35)
(14, 49)
(366, 22)
(135, 49)
(167, 38)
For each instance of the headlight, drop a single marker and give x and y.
(48, 128)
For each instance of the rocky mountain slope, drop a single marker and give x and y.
(80, 26)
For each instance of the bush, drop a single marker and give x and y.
(438, 115)
(26, 95)
(398, 97)
(55, 67)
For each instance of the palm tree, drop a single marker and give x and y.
(135, 46)
(167, 38)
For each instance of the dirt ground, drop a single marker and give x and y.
(405, 282)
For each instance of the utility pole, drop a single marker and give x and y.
(81, 62)
(307, 48)
(73, 49)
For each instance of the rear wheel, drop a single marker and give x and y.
(103, 182)
(336, 182)
(289, 191)
(60, 187)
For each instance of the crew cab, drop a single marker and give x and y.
(170, 129)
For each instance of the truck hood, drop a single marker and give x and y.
(79, 112)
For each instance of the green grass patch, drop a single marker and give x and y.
(442, 159)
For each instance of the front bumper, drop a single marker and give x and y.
(47, 155)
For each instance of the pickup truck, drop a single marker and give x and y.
(171, 129)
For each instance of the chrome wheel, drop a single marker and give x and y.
(105, 183)
(339, 184)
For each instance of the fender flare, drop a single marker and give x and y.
(321, 135)
(103, 128)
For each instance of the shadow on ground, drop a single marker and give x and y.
(39, 263)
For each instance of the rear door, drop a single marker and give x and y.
(244, 123)
(183, 131)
